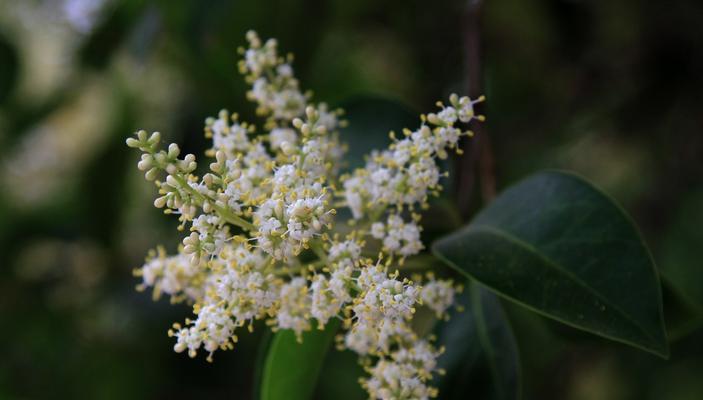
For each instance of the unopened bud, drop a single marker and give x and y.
(155, 138)
(173, 150)
(132, 142)
(160, 202)
(145, 163)
(151, 174)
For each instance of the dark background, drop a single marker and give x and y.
(610, 89)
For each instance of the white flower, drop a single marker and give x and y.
(353, 192)
(306, 218)
(438, 295)
(378, 230)
(381, 311)
(396, 299)
(325, 304)
(370, 277)
(339, 283)
(405, 374)
(346, 253)
(231, 139)
(362, 338)
(398, 381)
(278, 136)
(212, 329)
(174, 275)
(249, 292)
(448, 115)
(211, 233)
(294, 312)
(399, 237)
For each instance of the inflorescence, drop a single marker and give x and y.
(264, 242)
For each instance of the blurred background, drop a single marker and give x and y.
(610, 89)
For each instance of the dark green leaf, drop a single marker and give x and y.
(291, 368)
(556, 244)
(339, 377)
(261, 355)
(482, 356)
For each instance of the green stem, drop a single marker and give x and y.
(223, 212)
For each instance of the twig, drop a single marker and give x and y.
(478, 156)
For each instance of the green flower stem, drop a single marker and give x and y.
(224, 213)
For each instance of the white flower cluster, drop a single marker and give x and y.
(404, 374)
(407, 173)
(174, 275)
(399, 237)
(261, 242)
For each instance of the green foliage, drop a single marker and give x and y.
(482, 356)
(556, 244)
(291, 368)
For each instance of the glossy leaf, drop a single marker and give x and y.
(291, 368)
(260, 361)
(482, 356)
(556, 244)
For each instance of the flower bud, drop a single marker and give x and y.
(155, 138)
(160, 158)
(145, 163)
(151, 174)
(173, 150)
(160, 202)
(220, 156)
(132, 142)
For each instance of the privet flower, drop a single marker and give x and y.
(259, 228)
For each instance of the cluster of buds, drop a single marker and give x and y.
(264, 242)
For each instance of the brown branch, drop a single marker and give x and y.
(477, 161)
